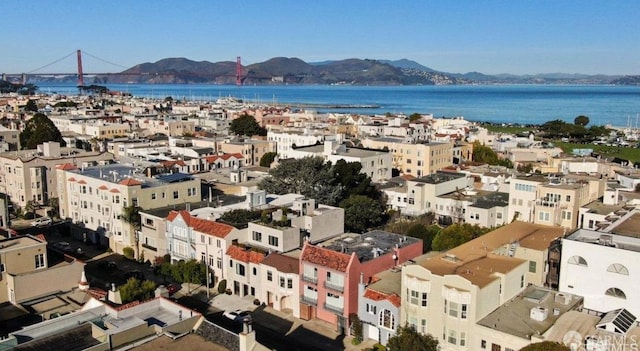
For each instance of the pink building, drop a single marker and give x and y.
(330, 271)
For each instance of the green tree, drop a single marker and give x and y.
(38, 130)
(54, 203)
(30, 209)
(581, 120)
(484, 154)
(525, 168)
(362, 213)
(350, 179)
(31, 106)
(267, 159)
(356, 328)
(415, 117)
(131, 216)
(136, 290)
(455, 235)
(128, 252)
(426, 234)
(191, 271)
(309, 176)
(240, 217)
(546, 346)
(246, 125)
(408, 339)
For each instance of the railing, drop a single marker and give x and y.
(309, 279)
(333, 308)
(334, 286)
(146, 246)
(309, 300)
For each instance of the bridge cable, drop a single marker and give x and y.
(105, 61)
(52, 63)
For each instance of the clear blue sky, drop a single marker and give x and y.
(512, 36)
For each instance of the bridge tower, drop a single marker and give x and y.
(23, 78)
(80, 75)
(238, 71)
(4, 76)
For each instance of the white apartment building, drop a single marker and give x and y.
(422, 193)
(287, 140)
(417, 159)
(94, 198)
(280, 283)
(601, 266)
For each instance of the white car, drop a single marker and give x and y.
(237, 315)
(41, 222)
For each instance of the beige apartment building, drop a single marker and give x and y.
(26, 271)
(416, 159)
(30, 174)
(94, 199)
(559, 201)
(446, 295)
(251, 149)
(9, 139)
(170, 127)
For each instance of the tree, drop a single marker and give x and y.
(546, 346)
(525, 168)
(131, 216)
(239, 218)
(31, 106)
(191, 271)
(54, 203)
(408, 339)
(426, 234)
(136, 290)
(415, 117)
(38, 130)
(348, 176)
(356, 328)
(30, 209)
(246, 125)
(581, 120)
(362, 213)
(457, 234)
(267, 159)
(309, 176)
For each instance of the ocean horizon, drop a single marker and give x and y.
(617, 106)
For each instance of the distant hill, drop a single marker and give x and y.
(354, 71)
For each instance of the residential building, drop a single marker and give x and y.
(9, 139)
(523, 194)
(94, 199)
(30, 175)
(446, 295)
(559, 202)
(280, 283)
(28, 270)
(251, 149)
(190, 237)
(599, 265)
(167, 126)
(330, 272)
(417, 159)
(244, 270)
(527, 318)
(286, 141)
(422, 192)
(375, 163)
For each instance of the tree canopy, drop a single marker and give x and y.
(239, 218)
(456, 234)
(424, 233)
(135, 289)
(31, 106)
(414, 117)
(581, 120)
(38, 130)
(267, 159)
(246, 125)
(485, 154)
(546, 346)
(362, 213)
(408, 339)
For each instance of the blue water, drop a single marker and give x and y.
(518, 104)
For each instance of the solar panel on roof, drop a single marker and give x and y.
(621, 319)
(174, 178)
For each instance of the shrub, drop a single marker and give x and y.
(128, 252)
(356, 329)
(222, 286)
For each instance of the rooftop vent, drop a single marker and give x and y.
(563, 299)
(539, 314)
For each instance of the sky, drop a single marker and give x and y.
(512, 36)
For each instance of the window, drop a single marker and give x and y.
(578, 260)
(543, 216)
(282, 282)
(417, 298)
(522, 281)
(240, 269)
(270, 276)
(387, 320)
(568, 198)
(452, 337)
(371, 309)
(255, 271)
(483, 344)
(532, 266)
(618, 268)
(453, 309)
(289, 283)
(153, 196)
(176, 194)
(219, 263)
(615, 292)
(39, 261)
(273, 240)
(463, 312)
(498, 215)
(257, 236)
(463, 339)
(423, 326)
(231, 263)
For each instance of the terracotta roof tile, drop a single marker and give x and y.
(245, 255)
(72, 179)
(378, 296)
(325, 257)
(114, 191)
(82, 181)
(129, 182)
(66, 166)
(200, 225)
(103, 187)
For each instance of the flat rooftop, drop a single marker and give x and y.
(624, 242)
(515, 316)
(116, 173)
(439, 177)
(599, 207)
(369, 245)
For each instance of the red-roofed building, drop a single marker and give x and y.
(252, 149)
(330, 273)
(280, 283)
(244, 270)
(189, 237)
(379, 305)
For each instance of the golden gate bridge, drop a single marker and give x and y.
(81, 74)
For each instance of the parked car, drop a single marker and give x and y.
(134, 274)
(108, 265)
(41, 222)
(238, 315)
(63, 246)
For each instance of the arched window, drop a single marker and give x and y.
(387, 319)
(615, 292)
(618, 268)
(578, 260)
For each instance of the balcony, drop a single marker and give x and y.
(333, 308)
(309, 300)
(334, 286)
(309, 279)
(149, 247)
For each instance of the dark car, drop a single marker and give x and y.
(134, 274)
(238, 315)
(108, 265)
